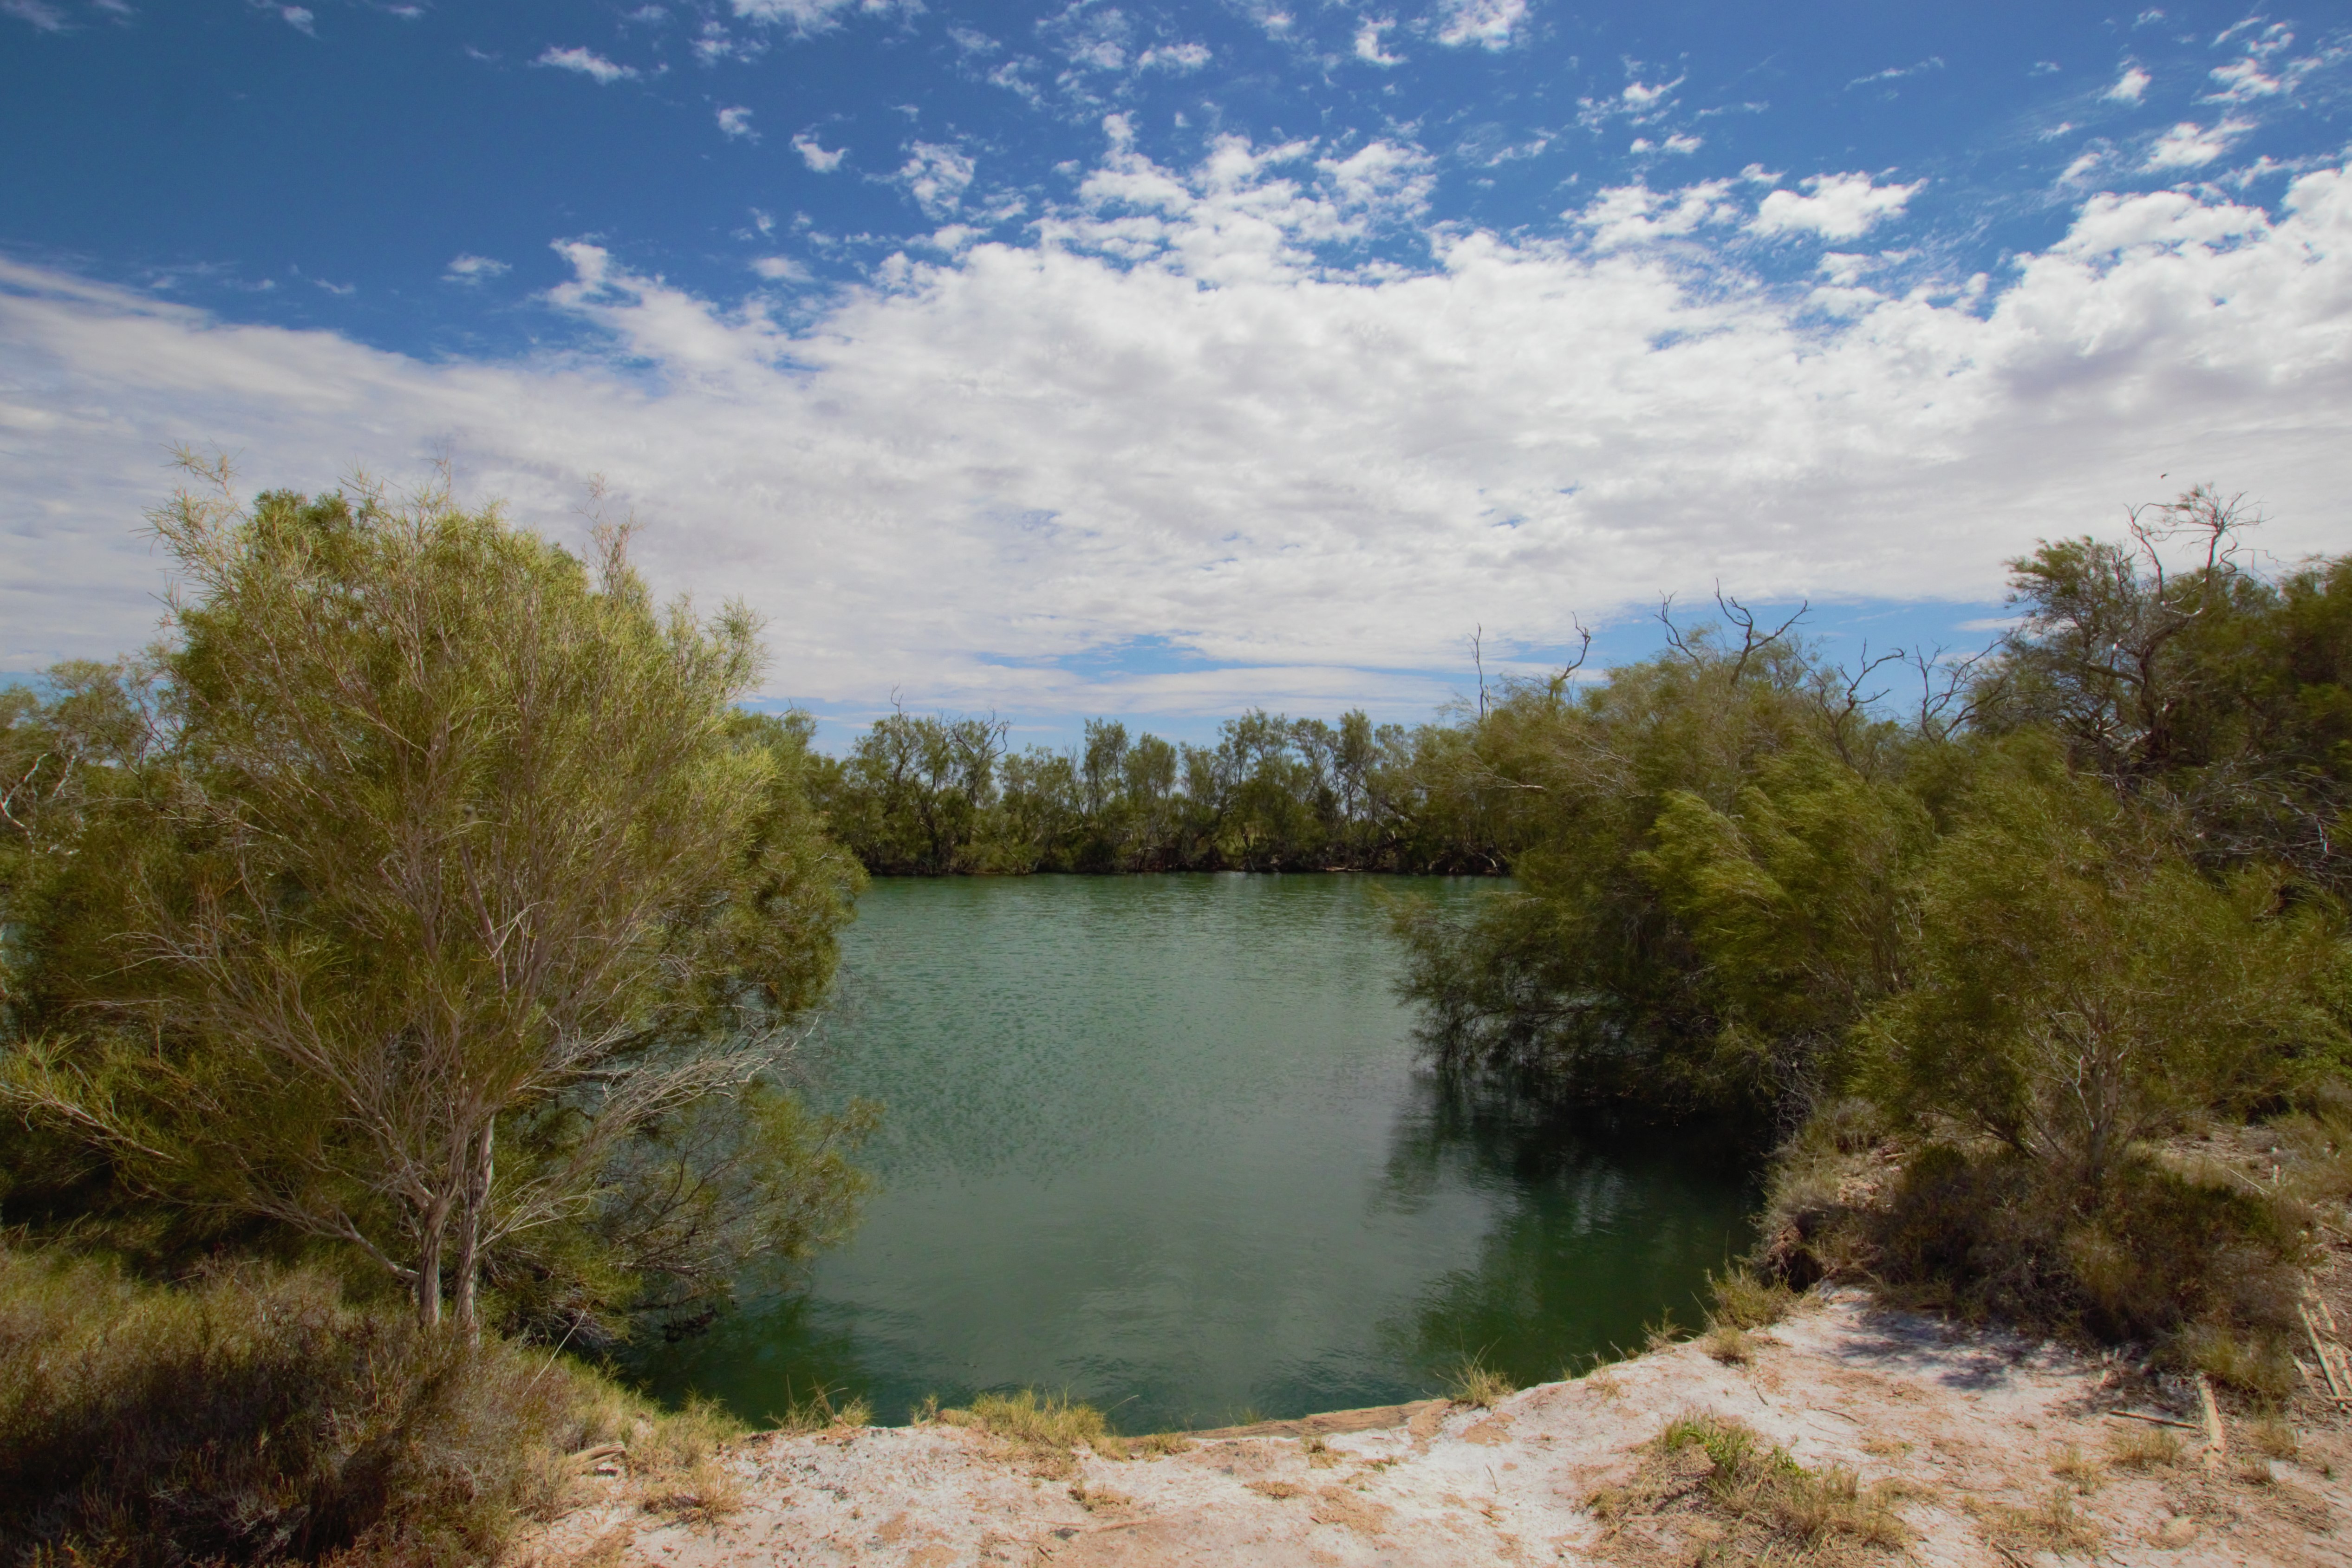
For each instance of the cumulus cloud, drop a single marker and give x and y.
(2130, 87)
(1368, 42)
(737, 123)
(299, 18)
(1835, 206)
(2189, 145)
(1173, 57)
(816, 155)
(1488, 24)
(964, 475)
(587, 62)
(471, 268)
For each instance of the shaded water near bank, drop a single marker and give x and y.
(1165, 1143)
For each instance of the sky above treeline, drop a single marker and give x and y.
(1160, 361)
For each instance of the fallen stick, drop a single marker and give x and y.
(2326, 1364)
(2160, 1420)
(2216, 1441)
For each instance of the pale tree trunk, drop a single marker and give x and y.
(469, 1238)
(428, 1265)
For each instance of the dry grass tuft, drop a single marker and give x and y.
(1729, 1345)
(1048, 1429)
(2054, 1525)
(2273, 1438)
(1475, 1383)
(2138, 1447)
(2079, 1470)
(1742, 1300)
(1749, 1498)
(816, 1412)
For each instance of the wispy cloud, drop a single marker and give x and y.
(1173, 57)
(467, 268)
(2130, 87)
(1896, 73)
(816, 154)
(736, 123)
(36, 13)
(585, 62)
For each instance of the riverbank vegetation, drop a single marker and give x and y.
(403, 962)
(1987, 965)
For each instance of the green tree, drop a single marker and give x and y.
(2077, 985)
(463, 887)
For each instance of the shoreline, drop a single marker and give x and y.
(1973, 1445)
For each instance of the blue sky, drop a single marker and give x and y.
(1161, 360)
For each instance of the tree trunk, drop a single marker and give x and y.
(428, 1266)
(470, 1236)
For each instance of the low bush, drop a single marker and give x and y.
(254, 1416)
(2206, 1276)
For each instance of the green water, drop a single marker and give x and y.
(1164, 1142)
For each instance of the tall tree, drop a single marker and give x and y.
(462, 839)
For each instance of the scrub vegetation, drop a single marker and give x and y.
(402, 965)
(2010, 971)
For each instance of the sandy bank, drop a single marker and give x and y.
(1988, 1450)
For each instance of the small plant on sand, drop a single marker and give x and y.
(1664, 1333)
(1742, 1300)
(1472, 1382)
(816, 1412)
(2138, 1447)
(1765, 1504)
(1048, 1428)
(2080, 1470)
(1729, 1345)
(2273, 1438)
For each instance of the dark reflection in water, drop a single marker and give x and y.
(1592, 1235)
(1162, 1143)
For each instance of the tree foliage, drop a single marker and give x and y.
(445, 909)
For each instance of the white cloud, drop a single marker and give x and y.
(1641, 95)
(1489, 23)
(937, 177)
(1173, 57)
(587, 62)
(1896, 73)
(1367, 43)
(804, 16)
(1674, 143)
(299, 18)
(816, 155)
(780, 269)
(468, 268)
(1839, 206)
(2129, 87)
(1635, 214)
(969, 470)
(2189, 145)
(737, 123)
(36, 13)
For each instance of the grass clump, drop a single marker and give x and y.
(1763, 1502)
(1049, 1429)
(254, 1416)
(1742, 1303)
(816, 1412)
(2138, 1447)
(1472, 1382)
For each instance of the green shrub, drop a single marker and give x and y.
(2206, 1276)
(252, 1416)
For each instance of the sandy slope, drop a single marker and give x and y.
(1970, 1424)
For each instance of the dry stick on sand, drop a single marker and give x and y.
(2326, 1363)
(2160, 1420)
(2217, 1442)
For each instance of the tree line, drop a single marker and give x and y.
(934, 794)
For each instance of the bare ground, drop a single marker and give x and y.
(1983, 1448)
